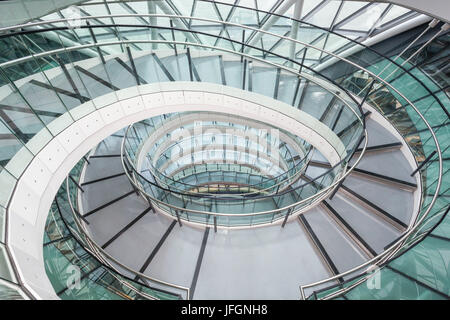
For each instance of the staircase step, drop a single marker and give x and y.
(341, 250)
(375, 231)
(392, 164)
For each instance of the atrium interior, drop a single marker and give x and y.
(229, 149)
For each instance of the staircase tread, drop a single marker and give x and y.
(377, 135)
(94, 195)
(236, 260)
(119, 214)
(399, 203)
(376, 232)
(102, 167)
(342, 251)
(134, 246)
(392, 164)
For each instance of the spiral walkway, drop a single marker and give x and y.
(321, 171)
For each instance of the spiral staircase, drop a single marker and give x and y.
(323, 172)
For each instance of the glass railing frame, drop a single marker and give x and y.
(399, 66)
(169, 150)
(325, 190)
(95, 249)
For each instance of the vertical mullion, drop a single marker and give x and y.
(133, 67)
(277, 84)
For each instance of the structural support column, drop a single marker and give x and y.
(153, 22)
(294, 29)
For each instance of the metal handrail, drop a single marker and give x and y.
(222, 198)
(289, 180)
(407, 100)
(176, 144)
(178, 169)
(417, 222)
(326, 30)
(46, 22)
(99, 250)
(209, 20)
(400, 240)
(243, 214)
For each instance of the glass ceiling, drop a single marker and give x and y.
(360, 18)
(356, 20)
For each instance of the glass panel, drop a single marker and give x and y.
(8, 182)
(393, 286)
(10, 292)
(6, 271)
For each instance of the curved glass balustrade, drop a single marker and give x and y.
(65, 254)
(249, 203)
(232, 211)
(67, 247)
(258, 161)
(228, 210)
(405, 106)
(262, 172)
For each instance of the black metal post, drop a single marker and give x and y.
(173, 38)
(244, 74)
(242, 47)
(76, 183)
(303, 61)
(133, 67)
(191, 73)
(424, 163)
(286, 217)
(178, 217)
(365, 98)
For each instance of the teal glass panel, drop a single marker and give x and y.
(10, 292)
